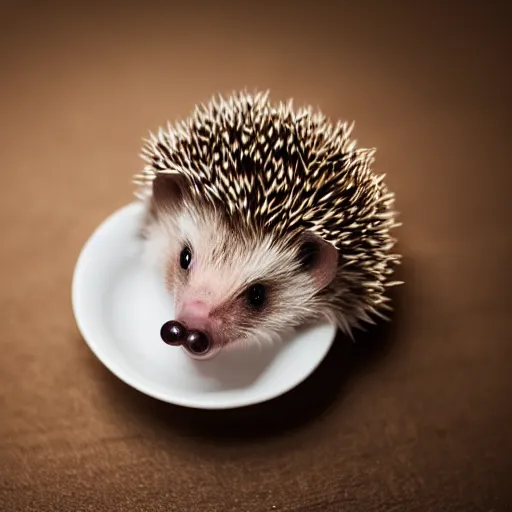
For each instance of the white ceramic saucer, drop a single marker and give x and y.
(120, 305)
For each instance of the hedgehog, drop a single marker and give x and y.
(264, 218)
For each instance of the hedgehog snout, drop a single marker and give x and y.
(199, 341)
(194, 314)
(194, 309)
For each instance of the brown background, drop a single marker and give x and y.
(415, 417)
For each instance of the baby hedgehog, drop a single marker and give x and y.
(264, 218)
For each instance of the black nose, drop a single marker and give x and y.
(197, 342)
(176, 334)
(173, 333)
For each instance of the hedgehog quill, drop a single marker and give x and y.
(263, 218)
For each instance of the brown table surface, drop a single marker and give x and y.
(415, 416)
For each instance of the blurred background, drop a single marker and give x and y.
(424, 424)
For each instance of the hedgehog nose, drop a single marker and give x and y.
(196, 343)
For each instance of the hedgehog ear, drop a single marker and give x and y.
(167, 190)
(319, 258)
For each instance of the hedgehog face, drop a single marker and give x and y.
(234, 286)
(231, 185)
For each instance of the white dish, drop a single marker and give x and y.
(120, 304)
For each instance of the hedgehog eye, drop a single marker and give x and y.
(185, 258)
(256, 296)
(308, 255)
